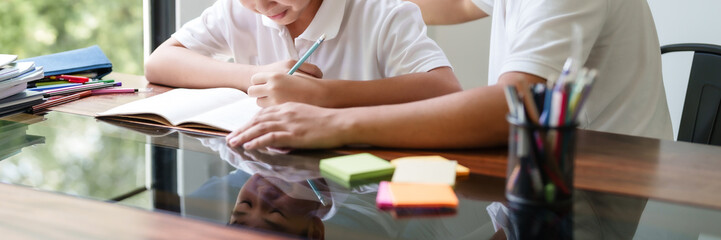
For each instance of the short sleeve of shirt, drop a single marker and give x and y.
(404, 44)
(485, 5)
(206, 34)
(540, 34)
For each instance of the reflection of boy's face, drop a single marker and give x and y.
(261, 204)
(282, 12)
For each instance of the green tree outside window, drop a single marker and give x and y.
(39, 27)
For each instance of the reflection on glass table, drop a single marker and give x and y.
(199, 177)
(273, 204)
(72, 154)
(353, 214)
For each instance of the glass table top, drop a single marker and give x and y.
(198, 176)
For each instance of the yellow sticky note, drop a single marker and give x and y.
(461, 170)
(419, 171)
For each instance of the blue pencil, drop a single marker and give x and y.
(307, 54)
(317, 193)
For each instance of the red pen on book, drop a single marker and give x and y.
(62, 100)
(71, 78)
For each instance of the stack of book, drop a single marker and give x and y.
(14, 77)
(29, 82)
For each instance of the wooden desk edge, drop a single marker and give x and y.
(28, 213)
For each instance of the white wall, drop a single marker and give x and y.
(466, 46)
(186, 10)
(688, 21)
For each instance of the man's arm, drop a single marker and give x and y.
(438, 12)
(277, 88)
(174, 65)
(472, 118)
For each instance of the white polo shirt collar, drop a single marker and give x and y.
(326, 21)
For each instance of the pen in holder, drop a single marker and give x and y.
(540, 163)
(542, 139)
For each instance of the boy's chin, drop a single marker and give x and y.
(283, 22)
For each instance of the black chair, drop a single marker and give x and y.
(701, 115)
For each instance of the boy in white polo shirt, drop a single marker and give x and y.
(378, 40)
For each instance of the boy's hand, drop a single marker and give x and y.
(285, 66)
(272, 88)
(293, 125)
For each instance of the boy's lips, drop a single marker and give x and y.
(278, 16)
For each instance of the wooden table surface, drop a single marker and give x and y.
(659, 169)
(665, 170)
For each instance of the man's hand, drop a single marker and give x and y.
(293, 125)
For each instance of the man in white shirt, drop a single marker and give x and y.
(530, 41)
(619, 40)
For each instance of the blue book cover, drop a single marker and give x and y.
(90, 59)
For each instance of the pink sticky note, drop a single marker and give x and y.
(384, 199)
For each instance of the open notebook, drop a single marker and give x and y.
(215, 109)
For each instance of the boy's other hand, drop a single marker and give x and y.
(293, 125)
(285, 66)
(272, 88)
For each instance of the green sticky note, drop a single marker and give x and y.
(356, 168)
